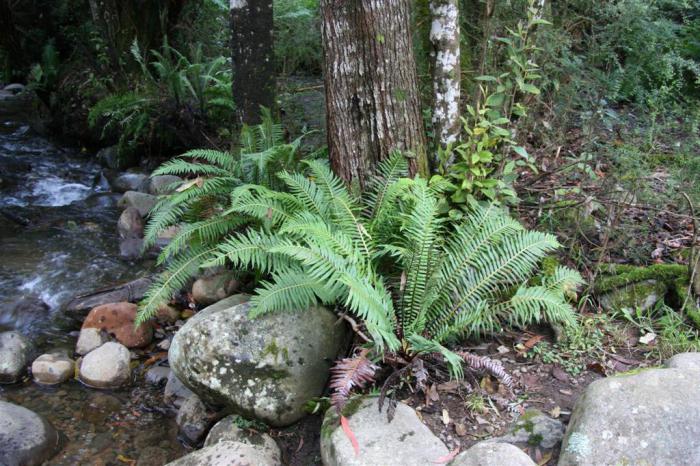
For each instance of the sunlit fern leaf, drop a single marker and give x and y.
(176, 276)
(289, 291)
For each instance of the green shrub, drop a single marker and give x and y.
(414, 278)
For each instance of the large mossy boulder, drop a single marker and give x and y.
(265, 368)
(405, 441)
(649, 417)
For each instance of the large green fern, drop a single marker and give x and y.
(201, 206)
(415, 278)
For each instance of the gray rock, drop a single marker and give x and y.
(642, 295)
(128, 182)
(131, 248)
(110, 157)
(175, 392)
(52, 368)
(266, 368)
(193, 419)
(227, 431)
(684, 361)
(157, 375)
(140, 201)
(161, 184)
(213, 288)
(14, 88)
(14, 356)
(130, 224)
(651, 417)
(131, 292)
(26, 439)
(89, 339)
(405, 441)
(106, 367)
(227, 454)
(493, 454)
(534, 428)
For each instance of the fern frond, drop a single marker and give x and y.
(223, 160)
(168, 283)
(389, 171)
(565, 281)
(422, 345)
(249, 249)
(348, 374)
(288, 291)
(181, 167)
(536, 304)
(491, 366)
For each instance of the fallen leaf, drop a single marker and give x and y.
(155, 358)
(555, 412)
(460, 429)
(596, 367)
(349, 433)
(503, 350)
(447, 458)
(545, 459)
(126, 460)
(488, 385)
(199, 182)
(445, 417)
(647, 338)
(559, 374)
(433, 393)
(451, 386)
(529, 344)
(566, 392)
(301, 444)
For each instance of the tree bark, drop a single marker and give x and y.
(252, 58)
(372, 100)
(444, 36)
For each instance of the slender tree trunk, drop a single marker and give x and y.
(444, 36)
(372, 101)
(252, 57)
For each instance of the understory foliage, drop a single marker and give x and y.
(201, 207)
(415, 279)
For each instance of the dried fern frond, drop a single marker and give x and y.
(490, 366)
(350, 373)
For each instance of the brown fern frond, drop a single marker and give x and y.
(490, 366)
(350, 373)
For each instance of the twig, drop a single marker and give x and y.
(355, 327)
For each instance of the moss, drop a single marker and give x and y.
(618, 276)
(276, 351)
(331, 419)
(534, 440)
(549, 265)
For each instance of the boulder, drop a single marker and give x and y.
(684, 361)
(493, 454)
(117, 319)
(226, 430)
(132, 292)
(140, 201)
(89, 339)
(227, 454)
(175, 392)
(193, 420)
(648, 417)
(404, 441)
(106, 367)
(213, 288)
(534, 428)
(128, 182)
(14, 88)
(14, 356)
(641, 295)
(52, 368)
(265, 368)
(130, 224)
(26, 439)
(131, 248)
(161, 184)
(112, 158)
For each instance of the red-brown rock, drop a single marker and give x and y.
(117, 319)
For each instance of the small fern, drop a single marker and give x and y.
(201, 206)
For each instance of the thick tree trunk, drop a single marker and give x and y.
(252, 55)
(444, 36)
(372, 101)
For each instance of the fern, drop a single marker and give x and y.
(414, 278)
(218, 200)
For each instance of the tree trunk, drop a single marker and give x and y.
(444, 36)
(252, 58)
(372, 101)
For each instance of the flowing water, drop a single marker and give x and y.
(58, 239)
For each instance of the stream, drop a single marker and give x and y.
(58, 239)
